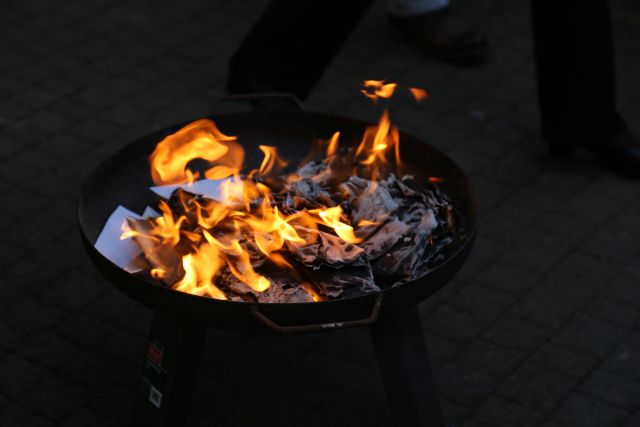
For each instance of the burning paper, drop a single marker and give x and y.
(341, 224)
(209, 188)
(121, 252)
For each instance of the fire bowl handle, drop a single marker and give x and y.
(375, 311)
(265, 101)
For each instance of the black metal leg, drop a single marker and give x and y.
(406, 373)
(169, 372)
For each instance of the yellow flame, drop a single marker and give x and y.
(271, 162)
(311, 291)
(210, 213)
(198, 140)
(332, 148)
(377, 140)
(280, 261)
(166, 227)
(238, 260)
(200, 269)
(374, 89)
(158, 273)
(331, 218)
(245, 223)
(272, 229)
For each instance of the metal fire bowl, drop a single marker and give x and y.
(124, 179)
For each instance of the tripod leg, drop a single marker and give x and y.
(406, 373)
(169, 372)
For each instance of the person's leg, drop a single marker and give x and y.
(291, 45)
(576, 71)
(576, 83)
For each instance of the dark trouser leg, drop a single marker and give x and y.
(169, 372)
(291, 45)
(406, 373)
(576, 71)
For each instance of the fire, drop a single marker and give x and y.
(166, 228)
(332, 148)
(198, 140)
(280, 261)
(331, 218)
(210, 213)
(158, 273)
(238, 192)
(128, 232)
(374, 89)
(238, 260)
(376, 143)
(418, 94)
(314, 295)
(200, 269)
(272, 230)
(233, 235)
(271, 162)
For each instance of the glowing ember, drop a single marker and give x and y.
(318, 232)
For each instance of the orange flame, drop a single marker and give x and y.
(331, 218)
(314, 295)
(418, 94)
(374, 89)
(332, 148)
(158, 273)
(281, 261)
(235, 233)
(272, 230)
(377, 140)
(271, 162)
(200, 269)
(210, 213)
(166, 227)
(239, 262)
(198, 140)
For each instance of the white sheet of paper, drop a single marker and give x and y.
(149, 212)
(209, 188)
(119, 252)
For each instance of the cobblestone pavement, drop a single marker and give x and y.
(539, 328)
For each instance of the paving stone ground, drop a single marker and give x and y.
(540, 328)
